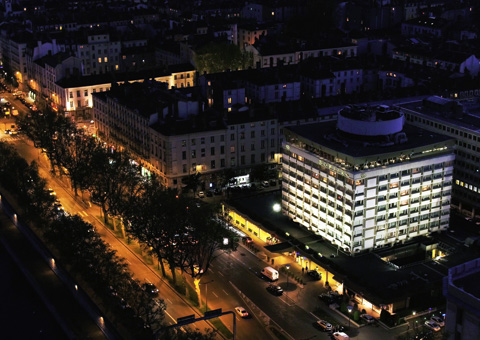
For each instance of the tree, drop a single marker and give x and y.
(220, 56)
(176, 334)
(205, 239)
(192, 182)
(224, 176)
(113, 178)
(260, 172)
(76, 155)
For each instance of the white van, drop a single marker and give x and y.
(270, 273)
(340, 336)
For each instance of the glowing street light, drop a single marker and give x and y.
(350, 309)
(287, 266)
(277, 207)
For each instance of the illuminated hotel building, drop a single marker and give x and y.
(367, 181)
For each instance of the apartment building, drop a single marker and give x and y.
(173, 136)
(450, 118)
(367, 181)
(99, 53)
(73, 93)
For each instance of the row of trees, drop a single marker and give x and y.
(79, 248)
(177, 231)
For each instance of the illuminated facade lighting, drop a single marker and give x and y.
(368, 185)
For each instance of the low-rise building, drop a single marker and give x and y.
(462, 292)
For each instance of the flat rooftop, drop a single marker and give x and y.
(470, 119)
(469, 284)
(324, 134)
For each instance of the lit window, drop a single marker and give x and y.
(230, 100)
(99, 60)
(116, 67)
(105, 59)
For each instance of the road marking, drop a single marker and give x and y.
(168, 300)
(171, 317)
(225, 291)
(215, 294)
(220, 273)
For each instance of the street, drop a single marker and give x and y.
(236, 279)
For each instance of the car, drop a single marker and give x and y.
(241, 311)
(51, 192)
(327, 298)
(432, 325)
(340, 336)
(247, 239)
(324, 326)
(201, 194)
(275, 290)
(273, 182)
(209, 194)
(217, 192)
(314, 274)
(438, 320)
(150, 288)
(265, 184)
(57, 205)
(367, 318)
(8, 132)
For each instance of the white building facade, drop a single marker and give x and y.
(361, 200)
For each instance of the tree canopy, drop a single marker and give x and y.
(218, 57)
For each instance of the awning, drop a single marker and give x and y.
(280, 247)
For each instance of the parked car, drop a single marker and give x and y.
(201, 194)
(209, 194)
(241, 311)
(432, 325)
(438, 320)
(324, 326)
(327, 298)
(367, 318)
(314, 274)
(265, 184)
(273, 182)
(275, 290)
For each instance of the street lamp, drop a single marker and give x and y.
(206, 292)
(287, 266)
(349, 308)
